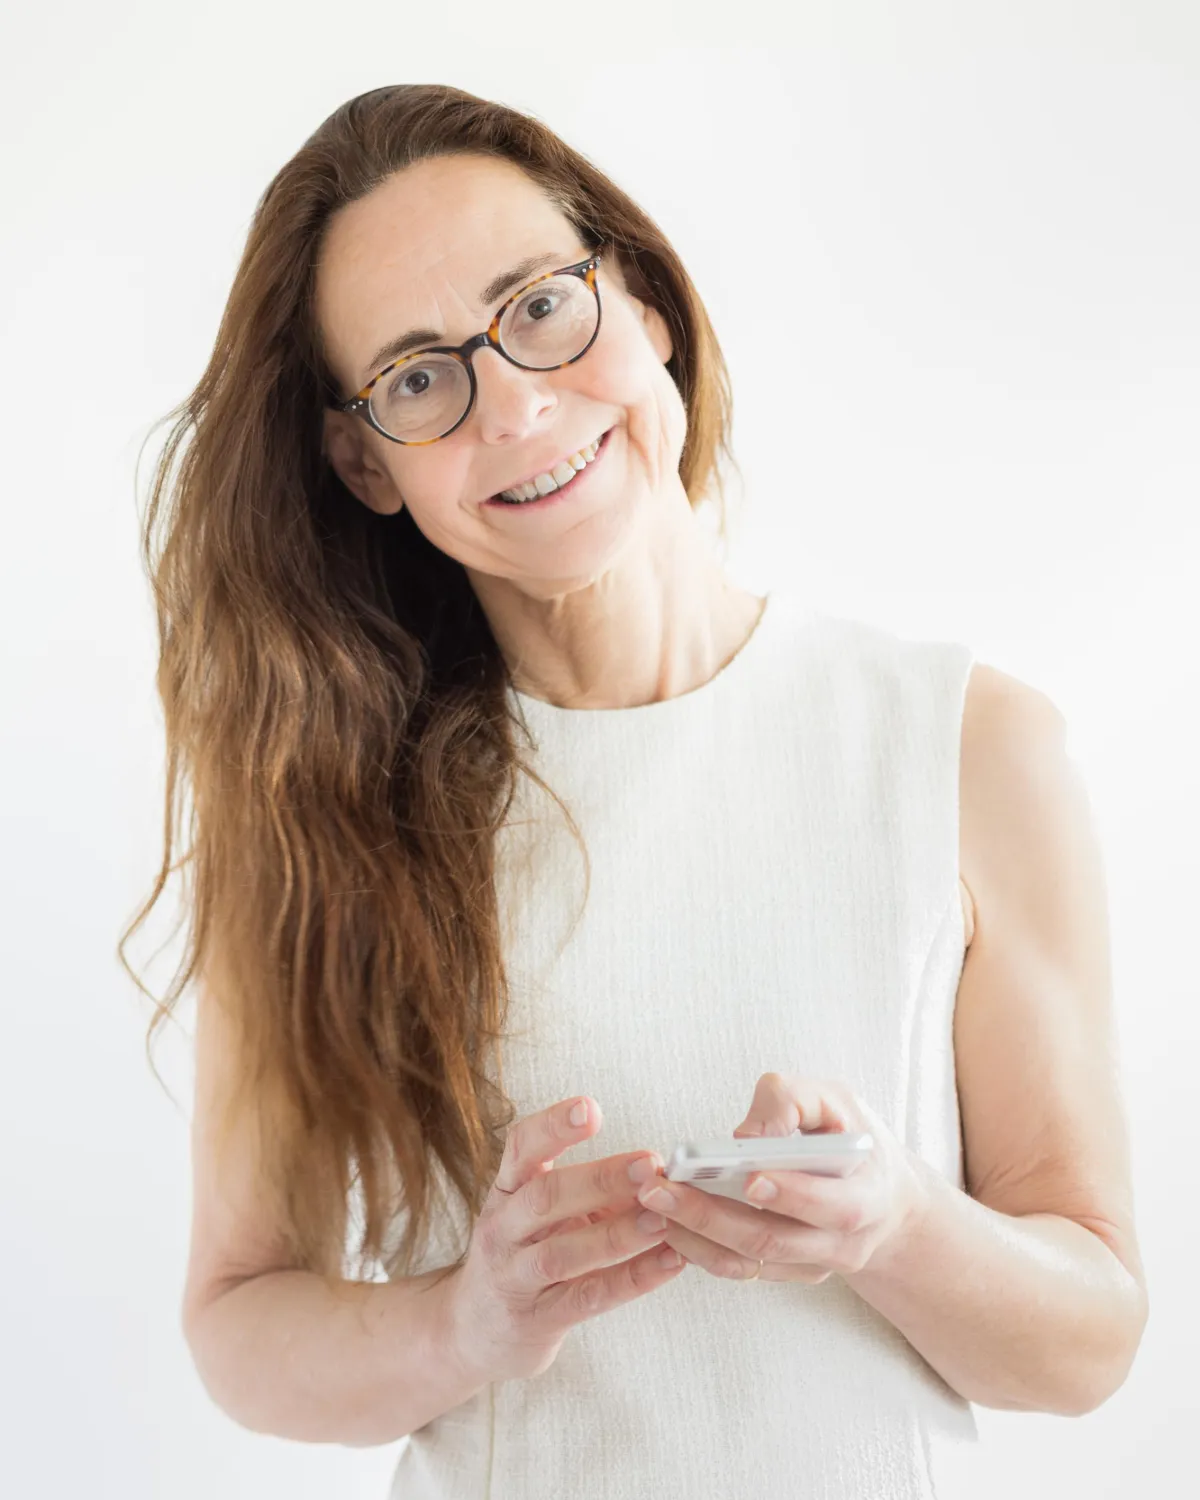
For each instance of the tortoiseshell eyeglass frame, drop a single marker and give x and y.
(490, 337)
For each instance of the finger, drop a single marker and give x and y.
(536, 1140)
(580, 1221)
(784, 1103)
(598, 1293)
(566, 1257)
(839, 1205)
(719, 1260)
(551, 1197)
(726, 1223)
(757, 1234)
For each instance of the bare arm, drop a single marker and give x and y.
(282, 1354)
(1032, 1312)
(276, 1348)
(1029, 1293)
(364, 1363)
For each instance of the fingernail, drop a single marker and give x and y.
(643, 1169)
(656, 1198)
(579, 1114)
(650, 1223)
(762, 1190)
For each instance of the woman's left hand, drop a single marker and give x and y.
(814, 1225)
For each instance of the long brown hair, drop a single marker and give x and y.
(338, 706)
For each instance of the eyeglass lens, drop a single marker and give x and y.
(424, 396)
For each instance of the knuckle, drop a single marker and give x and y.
(544, 1261)
(852, 1255)
(616, 1232)
(517, 1144)
(542, 1194)
(640, 1271)
(701, 1220)
(851, 1218)
(587, 1295)
(766, 1244)
(603, 1178)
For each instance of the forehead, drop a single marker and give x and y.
(418, 249)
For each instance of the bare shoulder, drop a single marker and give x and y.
(1008, 728)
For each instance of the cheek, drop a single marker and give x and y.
(658, 421)
(434, 492)
(635, 385)
(622, 362)
(431, 479)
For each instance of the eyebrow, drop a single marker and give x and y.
(524, 270)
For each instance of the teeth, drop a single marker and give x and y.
(534, 489)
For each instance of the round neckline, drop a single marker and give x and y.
(540, 706)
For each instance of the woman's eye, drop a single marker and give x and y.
(539, 306)
(411, 383)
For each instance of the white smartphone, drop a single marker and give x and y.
(721, 1165)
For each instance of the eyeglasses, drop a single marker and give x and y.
(551, 322)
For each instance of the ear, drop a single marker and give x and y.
(656, 330)
(347, 444)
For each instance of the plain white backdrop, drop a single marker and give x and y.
(951, 251)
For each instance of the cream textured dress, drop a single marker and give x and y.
(774, 888)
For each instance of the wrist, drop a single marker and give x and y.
(454, 1337)
(916, 1201)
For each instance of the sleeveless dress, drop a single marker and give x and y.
(774, 887)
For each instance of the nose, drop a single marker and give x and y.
(509, 401)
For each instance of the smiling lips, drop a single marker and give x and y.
(554, 478)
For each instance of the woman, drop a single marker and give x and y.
(830, 880)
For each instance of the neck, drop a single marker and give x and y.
(641, 632)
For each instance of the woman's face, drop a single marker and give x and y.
(416, 253)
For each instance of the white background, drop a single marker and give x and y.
(983, 220)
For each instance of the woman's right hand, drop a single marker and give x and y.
(551, 1248)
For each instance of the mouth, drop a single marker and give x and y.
(572, 486)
